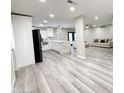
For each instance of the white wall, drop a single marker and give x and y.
(13, 67)
(99, 33)
(90, 35)
(24, 51)
(62, 36)
(13, 76)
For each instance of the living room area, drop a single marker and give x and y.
(62, 46)
(62, 67)
(64, 39)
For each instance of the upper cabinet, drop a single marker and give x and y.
(46, 33)
(43, 34)
(50, 32)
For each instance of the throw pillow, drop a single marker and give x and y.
(95, 40)
(107, 40)
(102, 40)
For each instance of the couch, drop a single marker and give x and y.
(105, 43)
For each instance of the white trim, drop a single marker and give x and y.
(81, 57)
(13, 83)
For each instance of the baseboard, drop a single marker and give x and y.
(56, 51)
(22, 66)
(82, 57)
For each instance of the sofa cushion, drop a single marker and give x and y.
(107, 40)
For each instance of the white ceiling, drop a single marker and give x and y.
(63, 16)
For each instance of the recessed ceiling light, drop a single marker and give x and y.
(52, 15)
(96, 17)
(72, 9)
(45, 21)
(65, 26)
(41, 24)
(94, 25)
(87, 26)
(42, 1)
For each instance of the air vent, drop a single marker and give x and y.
(102, 26)
(72, 2)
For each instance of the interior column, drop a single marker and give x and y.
(80, 41)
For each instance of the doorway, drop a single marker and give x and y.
(71, 37)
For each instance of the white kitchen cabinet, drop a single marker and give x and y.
(44, 34)
(50, 32)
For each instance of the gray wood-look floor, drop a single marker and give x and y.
(65, 73)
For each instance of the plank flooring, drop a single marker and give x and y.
(66, 73)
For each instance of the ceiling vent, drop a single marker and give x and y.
(73, 2)
(89, 25)
(102, 26)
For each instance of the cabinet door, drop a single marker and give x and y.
(50, 32)
(43, 34)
